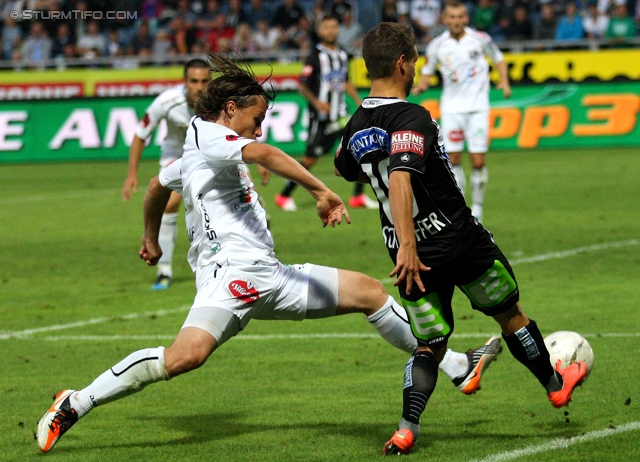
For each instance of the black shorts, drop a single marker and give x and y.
(323, 135)
(482, 272)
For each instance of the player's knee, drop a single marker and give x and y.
(374, 294)
(512, 319)
(185, 360)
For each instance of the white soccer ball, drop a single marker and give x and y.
(569, 347)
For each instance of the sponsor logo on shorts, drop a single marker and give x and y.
(407, 141)
(244, 290)
(456, 136)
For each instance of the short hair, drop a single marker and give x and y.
(195, 64)
(233, 83)
(384, 44)
(329, 17)
(454, 5)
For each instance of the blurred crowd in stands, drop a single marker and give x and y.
(160, 29)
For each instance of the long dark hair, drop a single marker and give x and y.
(234, 82)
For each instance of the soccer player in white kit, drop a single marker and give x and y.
(232, 253)
(464, 105)
(174, 105)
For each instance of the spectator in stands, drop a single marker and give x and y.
(182, 35)
(37, 47)
(257, 10)
(484, 16)
(424, 14)
(267, 38)
(151, 11)
(235, 13)
(301, 36)
(161, 44)
(595, 23)
(142, 40)
(187, 15)
(114, 45)
(621, 26)
(544, 28)
(318, 11)
(570, 27)
(11, 37)
(340, 7)
(207, 19)
(219, 36)
(350, 33)
(243, 42)
(287, 17)
(62, 38)
(389, 11)
(437, 29)
(520, 27)
(93, 43)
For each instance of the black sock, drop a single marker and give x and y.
(358, 189)
(420, 376)
(527, 346)
(289, 186)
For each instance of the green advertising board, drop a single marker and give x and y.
(545, 116)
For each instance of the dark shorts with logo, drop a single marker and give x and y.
(323, 135)
(483, 274)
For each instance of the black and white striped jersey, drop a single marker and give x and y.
(325, 73)
(387, 134)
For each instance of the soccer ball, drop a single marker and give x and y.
(569, 347)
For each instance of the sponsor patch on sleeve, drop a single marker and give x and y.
(307, 70)
(407, 141)
(146, 120)
(235, 138)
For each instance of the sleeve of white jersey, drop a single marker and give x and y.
(429, 67)
(171, 176)
(491, 49)
(151, 119)
(225, 150)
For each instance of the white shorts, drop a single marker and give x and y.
(230, 296)
(472, 127)
(166, 160)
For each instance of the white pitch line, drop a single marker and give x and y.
(561, 443)
(560, 255)
(62, 195)
(29, 332)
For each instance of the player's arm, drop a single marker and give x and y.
(131, 181)
(503, 75)
(352, 91)
(427, 71)
(311, 97)
(155, 202)
(149, 122)
(330, 207)
(408, 264)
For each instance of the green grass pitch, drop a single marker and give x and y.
(68, 254)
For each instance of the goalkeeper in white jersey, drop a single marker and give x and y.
(464, 106)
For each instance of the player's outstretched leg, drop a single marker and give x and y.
(572, 377)
(56, 421)
(478, 360)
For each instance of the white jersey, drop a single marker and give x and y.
(464, 69)
(172, 106)
(225, 222)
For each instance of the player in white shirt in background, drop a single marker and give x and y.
(464, 105)
(174, 105)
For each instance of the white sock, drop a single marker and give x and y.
(454, 364)
(392, 324)
(129, 376)
(458, 173)
(167, 241)
(479, 180)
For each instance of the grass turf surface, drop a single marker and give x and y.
(69, 254)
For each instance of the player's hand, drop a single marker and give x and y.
(331, 209)
(506, 89)
(265, 175)
(419, 88)
(150, 251)
(323, 107)
(408, 267)
(130, 184)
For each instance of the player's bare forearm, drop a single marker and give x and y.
(408, 264)
(311, 97)
(422, 85)
(155, 202)
(352, 91)
(131, 181)
(503, 75)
